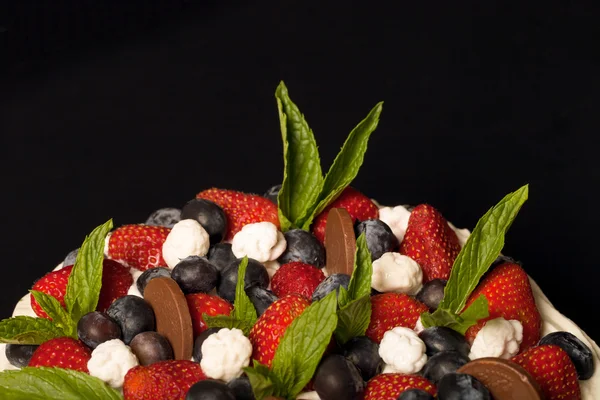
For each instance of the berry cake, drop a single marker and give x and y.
(310, 291)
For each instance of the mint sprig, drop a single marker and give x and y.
(473, 261)
(59, 316)
(28, 330)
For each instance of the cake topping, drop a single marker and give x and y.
(340, 242)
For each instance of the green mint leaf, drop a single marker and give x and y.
(354, 319)
(225, 321)
(28, 330)
(360, 281)
(85, 280)
(243, 308)
(302, 176)
(56, 312)
(346, 164)
(478, 310)
(261, 380)
(42, 383)
(343, 297)
(303, 345)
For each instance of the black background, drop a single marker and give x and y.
(116, 108)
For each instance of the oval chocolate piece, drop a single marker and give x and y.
(173, 319)
(340, 242)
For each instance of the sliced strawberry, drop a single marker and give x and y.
(62, 352)
(389, 310)
(390, 386)
(116, 280)
(296, 277)
(202, 303)
(138, 246)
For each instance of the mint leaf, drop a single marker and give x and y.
(56, 312)
(225, 321)
(28, 330)
(354, 319)
(346, 164)
(343, 297)
(360, 281)
(476, 311)
(42, 383)
(302, 176)
(303, 345)
(243, 308)
(261, 380)
(85, 280)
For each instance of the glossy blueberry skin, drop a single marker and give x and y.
(443, 363)
(71, 257)
(200, 339)
(441, 338)
(432, 293)
(578, 352)
(19, 355)
(195, 274)
(151, 347)
(272, 193)
(329, 284)
(364, 354)
(415, 394)
(133, 314)
(261, 298)
(454, 386)
(379, 236)
(256, 275)
(241, 388)
(210, 389)
(95, 328)
(220, 255)
(150, 274)
(209, 215)
(166, 217)
(337, 378)
(303, 246)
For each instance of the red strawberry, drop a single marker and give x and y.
(266, 334)
(202, 303)
(359, 206)
(54, 284)
(164, 380)
(62, 352)
(389, 310)
(241, 208)
(553, 370)
(116, 281)
(138, 246)
(390, 386)
(509, 296)
(296, 277)
(431, 242)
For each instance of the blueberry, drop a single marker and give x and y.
(443, 363)
(329, 284)
(272, 193)
(455, 386)
(150, 274)
(70, 258)
(303, 246)
(210, 389)
(220, 255)
(441, 338)
(415, 394)
(133, 314)
(337, 378)
(200, 339)
(364, 354)
(95, 328)
(19, 355)
(209, 215)
(256, 275)
(432, 293)
(241, 388)
(261, 298)
(379, 236)
(195, 274)
(151, 347)
(580, 354)
(166, 217)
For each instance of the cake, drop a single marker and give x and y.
(311, 291)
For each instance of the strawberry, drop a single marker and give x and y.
(266, 334)
(389, 310)
(359, 206)
(202, 303)
(164, 380)
(553, 370)
(54, 284)
(296, 277)
(390, 386)
(138, 246)
(241, 208)
(431, 242)
(63, 352)
(509, 296)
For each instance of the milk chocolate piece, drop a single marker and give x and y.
(504, 379)
(173, 319)
(340, 242)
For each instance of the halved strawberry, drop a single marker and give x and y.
(389, 310)
(63, 352)
(390, 386)
(296, 277)
(202, 303)
(138, 246)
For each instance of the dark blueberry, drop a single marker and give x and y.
(133, 314)
(364, 354)
(432, 293)
(200, 339)
(241, 388)
(261, 298)
(441, 338)
(272, 193)
(415, 394)
(95, 328)
(150, 274)
(256, 275)
(443, 363)
(221, 255)
(303, 246)
(150, 347)
(19, 355)
(70, 258)
(166, 217)
(210, 389)
(580, 354)
(379, 236)
(455, 386)
(195, 274)
(337, 378)
(329, 284)
(209, 215)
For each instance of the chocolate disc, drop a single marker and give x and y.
(340, 242)
(173, 319)
(504, 379)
